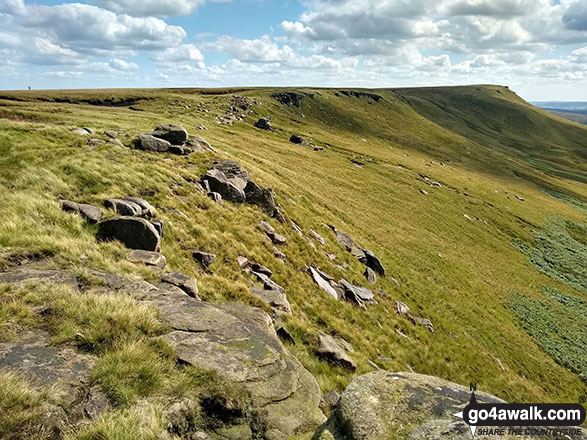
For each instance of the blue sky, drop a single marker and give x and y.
(537, 47)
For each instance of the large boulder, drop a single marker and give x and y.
(219, 183)
(261, 197)
(134, 233)
(240, 343)
(185, 283)
(147, 142)
(174, 134)
(383, 405)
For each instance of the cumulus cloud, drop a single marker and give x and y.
(184, 52)
(123, 65)
(262, 49)
(157, 8)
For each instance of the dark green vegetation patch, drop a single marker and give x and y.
(558, 325)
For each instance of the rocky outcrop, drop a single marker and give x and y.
(173, 139)
(123, 207)
(329, 350)
(174, 134)
(240, 343)
(90, 213)
(289, 98)
(133, 232)
(370, 275)
(204, 258)
(147, 142)
(322, 283)
(147, 210)
(383, 405)
(264, 124)
(365, 256)
(216, 181)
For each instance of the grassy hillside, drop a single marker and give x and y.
(459, 252)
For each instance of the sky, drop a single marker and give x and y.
(536, 47)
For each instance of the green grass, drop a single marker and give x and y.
(560, 251)
(558, 325)
(454, 271)
(20, 407)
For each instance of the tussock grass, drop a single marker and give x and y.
(454, 271)
(20, 407)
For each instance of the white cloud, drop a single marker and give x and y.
(184, 52)
(262, 49)
(157, 8)
(126, 66)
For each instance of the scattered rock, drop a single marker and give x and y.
(204, 258)
(146, 142)
(219, 183)
(111, 134)
(352, 292)
(185, 283)
(268, 283)
(123, 207)
(370, 260)
(370, 275)
(116, 142)
(279, 255)
(198, 144)
(284, 335)
(423, 191)
(426, 323)
(174, 134)
(318, 148)
(401, 308)
(295, 139)
(240, 344)
(134, 233)
(267, 228)
(259, 268)
(297, 229)
(264, 124)
(23, 275)
(201, 127)
(275, 298)
(243, 262)
(322, 283)
(147, 210)
(90, 213)
(520, 198)
(329, 400)
(330, 351)
(318, 237)
(147, 258)
(81, 131)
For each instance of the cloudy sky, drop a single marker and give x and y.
(537, 47)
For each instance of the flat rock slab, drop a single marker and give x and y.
(20, 276)
(147, 258)
(275, 298)
(239, 342)
(33, 355)
(383, 405)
